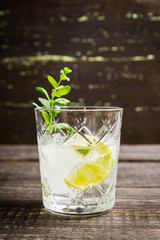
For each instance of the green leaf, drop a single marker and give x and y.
(55, 110)
(48, 103)
(62, 90)
(63, 74)
(59, 126)
(42, 90)
(52, 81)
(44, 102)
(46, 117)
(36, 105)
(64, 77)
(67, 70)
(62, 101)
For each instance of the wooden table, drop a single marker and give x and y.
(136, 214)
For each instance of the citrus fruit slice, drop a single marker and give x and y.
(93, 169)
(82, 145)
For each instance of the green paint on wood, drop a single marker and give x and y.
(113, 96)
(149, 15)
(112, 48)
(96, 86)
(63, 19)
(36, 44)
(16, 105)
(131, 41)
(23, 73)
(155, 18)
(88, 40)
(99, 74)
(156, 109)
(48, 44)
(97, 59)
(145, 108)
(78, 53)
(82, 19)
(10, 86)
(84, 58)
(105, 33)
(2, 13)
(101, 18)
(107, 104)
(75, 86)
(30, 60)
(89, 53)
(139, 109)
(103, 49)
(75, 40)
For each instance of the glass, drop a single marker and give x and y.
(78, 165)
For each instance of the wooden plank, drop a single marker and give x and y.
(150, 152)
(144, 175)
(85, 232)
(136, 214)
(18, 153)
(127, 153)
(126, 198)
(131, 218)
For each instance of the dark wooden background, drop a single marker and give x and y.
(113, 48)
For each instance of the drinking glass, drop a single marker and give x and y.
(78, 155)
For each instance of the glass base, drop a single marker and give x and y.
(79, 211)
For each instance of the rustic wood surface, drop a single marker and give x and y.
(127, 152)
(112, 46)
(136, 214)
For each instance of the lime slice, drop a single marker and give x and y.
(81, 145)
(91, 172)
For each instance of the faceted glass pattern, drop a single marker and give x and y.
(79, 165)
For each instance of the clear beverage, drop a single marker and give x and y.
(79, 170)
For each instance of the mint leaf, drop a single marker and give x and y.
(59, 126)
(50, 103)
(54, 111)
(63, 76)
(36, 105)
(62, 90)
(44, 102)
(42, 90)
(46, 117)
(67, 70)
(63, 73)
(52, 81)
(56, 108)
(62, 101)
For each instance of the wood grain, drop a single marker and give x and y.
(129, 175)
(127, 153)
(131, 218)
(112, 48)
(135, 216)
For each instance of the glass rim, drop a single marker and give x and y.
(83, 109)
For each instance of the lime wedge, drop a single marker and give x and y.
(90, 172)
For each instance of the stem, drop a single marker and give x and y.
(59, 82)
(51, 117)
(52, 95)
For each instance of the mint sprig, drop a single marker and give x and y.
(53, 103)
